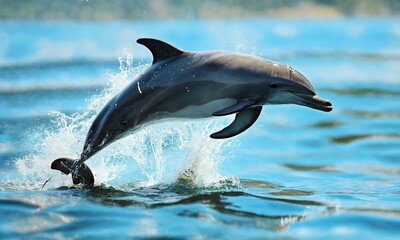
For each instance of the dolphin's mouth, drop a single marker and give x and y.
(313, 101)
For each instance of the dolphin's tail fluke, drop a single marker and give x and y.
(81, 173)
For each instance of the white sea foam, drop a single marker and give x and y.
(159, 153)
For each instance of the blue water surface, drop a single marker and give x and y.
(296, 174)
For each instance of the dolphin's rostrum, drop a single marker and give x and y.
(181, 84)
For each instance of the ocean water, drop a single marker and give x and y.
(296, 174)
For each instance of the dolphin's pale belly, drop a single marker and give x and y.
(205, 110)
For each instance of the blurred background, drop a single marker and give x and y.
(119, 38)
(104, 10)
(326, 175)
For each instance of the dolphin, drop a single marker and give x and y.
(182, 84)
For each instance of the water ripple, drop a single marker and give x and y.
(356, 137)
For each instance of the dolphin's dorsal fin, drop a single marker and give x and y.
(160, 50)
(243, 120)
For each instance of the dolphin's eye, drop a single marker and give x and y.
(124, 123)
(273, 85)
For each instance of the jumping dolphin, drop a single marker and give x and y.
(181, 84)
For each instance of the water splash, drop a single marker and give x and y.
(160, 153)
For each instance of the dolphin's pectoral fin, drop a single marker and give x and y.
(160, 50)
(243, 120)
(237, 107)
(81, 173)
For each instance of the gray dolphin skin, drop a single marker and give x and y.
(181, 84)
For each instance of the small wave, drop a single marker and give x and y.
(365, 91)
(299, 167)
(372, 114)
(357, 137)
(326, 124)
(45, 65)
(49, 87)
(9, 203)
